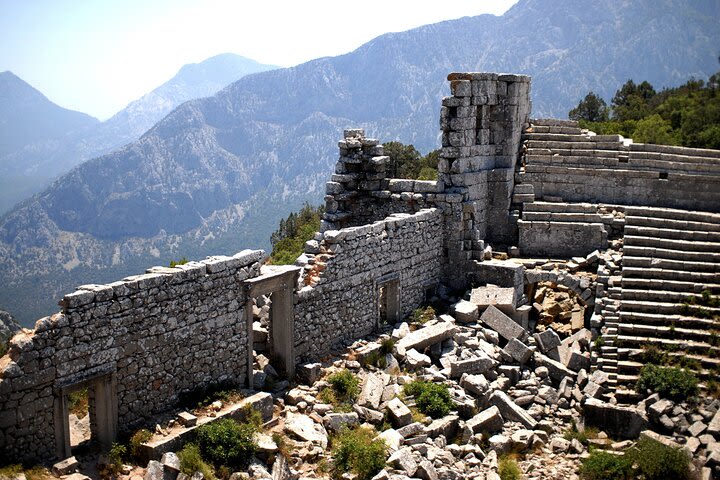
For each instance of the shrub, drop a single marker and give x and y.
(345, 385)
(656, 461)
(175, 263)
(137, 439)
(115, 458)
(422, 315)
(357, 451)
(227, 442)
(670, 382)
(432, 399)
(601, 465)
(508, 469)
(191, 461)
(387, 345)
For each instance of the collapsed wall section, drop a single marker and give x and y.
(149, 338)
(398, 256)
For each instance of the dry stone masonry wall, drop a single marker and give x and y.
(151, 336)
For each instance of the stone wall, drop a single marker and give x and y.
(151, 336)
(341, 303)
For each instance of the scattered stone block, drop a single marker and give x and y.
(466, 312)
(480, 364)
(187, 419)
(502, 324)
(448, 426)
(510, 411)
(154, 471)
(392, 439)
(304, 428)
(335, 421)
(616, 421)
(556, 370)
(426, 471)
(475, 384)
(403, 460)
(65, 467)
(400, 414)
(427, 336)
(309, 373)
(547, 340)
(489, 420)
(415, 359)
(171, 462)
(372, 389)
(520, 352)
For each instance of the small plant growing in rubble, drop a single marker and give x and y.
(432, 399)
(670, 382)
(358, 451)
(227, 442)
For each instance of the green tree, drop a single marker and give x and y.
(407, 162)
(592, 109)
(654, 129)
(631, 101)
(289, 239)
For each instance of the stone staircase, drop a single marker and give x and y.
(669, 256)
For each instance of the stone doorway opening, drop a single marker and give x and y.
(276, 287)
(86, 416)
(388, 299)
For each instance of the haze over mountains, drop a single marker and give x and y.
(40, 140)
(217, 174)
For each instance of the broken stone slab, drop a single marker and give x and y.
(392, 439)
(427, 336)
(466, 312)
(480, 364)
(411, 429)
(448, 426)
(488, 421)
(367, 414)
(510, 411)
(335, 421)
(578, 361)
(499, 443)
(475, 384)
(426, 471)
(522, 439)
(714, 426)
(502, 324)
(616, 421)
(556, 370)
(547, 340)
(154, 471)
(171, 462)
(187, 419)
(403, 460)
(500, 297)
(518, 351)
(372, 390)
(415, 359)
(65, 467)
(309, 373)
(305, 429)
(400, 414)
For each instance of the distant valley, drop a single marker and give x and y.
(216, 174)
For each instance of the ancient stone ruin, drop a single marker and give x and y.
(522, 210)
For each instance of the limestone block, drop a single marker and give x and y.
(427, 336)
(510, 411)
(488, 420)
(616, 421)
(66, 466)
(475, 384)
(466, 312)
(403, 460)
(426, 471)
(504, 325)
(447, 426)
(305, 429)
(480, 364)
(400, 414)
(187, 419)
(154, 471)
(309, 373)
(547, 340)
(372, 389)
(335, 421)
(518, 351)
(415, 359)
(411, 429)
(392, 439)
(556, 370)
(714, 426)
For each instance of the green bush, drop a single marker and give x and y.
(508, 469)
(387, 345)
(115, 458)
(432, 399)
(357, 451)
(137, 439)
(345, 385)
(656, 461)
(227, 442)
(669, 382)
(191, 461)
(601, 465)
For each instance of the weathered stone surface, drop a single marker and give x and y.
(372, 389)
(154, 471)
(489, 421)
(426, 471)
(556, 370)
(400, 414)
(510, 411)
(335, 421)
(403, 460)
(65, 467)
(466, 312)
(547, 340)
(304, 428)
(427, 336)
(187, 419)
(475, 384)
(479, 364)
(504, 325)
(446, 425)
(616, 421)
(415, 359)
(392, 438)
(516, 349)
(714, 425)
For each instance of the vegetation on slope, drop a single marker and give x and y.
(688, 115)
(290, 237)
(407, 162)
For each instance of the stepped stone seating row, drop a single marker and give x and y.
(670, 256)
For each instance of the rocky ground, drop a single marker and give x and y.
(515, 395)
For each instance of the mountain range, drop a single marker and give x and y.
(217, 173)
(40, 140)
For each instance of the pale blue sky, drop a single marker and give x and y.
(98, 55)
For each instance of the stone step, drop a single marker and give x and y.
(669, 332)
(672, 244)
(553, 129)
(669, 285)
(670, 264)
(561, 207)
(668, 233)
(555, 137)
(659, 295)
(665, 274)
(627, 396)
(700, 153)
(687, 345)
(672, 214)
(676, 224)
(672, 254)
(684, 321)
(564, 217)
(662, 308)
(553, 122)
(538, 156)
